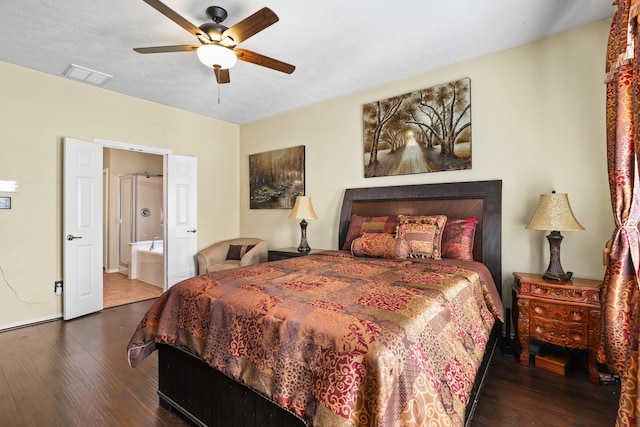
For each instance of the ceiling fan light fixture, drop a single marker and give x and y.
(216, 55)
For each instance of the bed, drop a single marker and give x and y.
(371, 377)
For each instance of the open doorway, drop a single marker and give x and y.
(133, 221)
(83, 263)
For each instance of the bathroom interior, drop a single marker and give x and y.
(133, 225)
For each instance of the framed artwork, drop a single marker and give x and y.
(428, 130)
(276, 178)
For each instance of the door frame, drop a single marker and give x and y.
(105, 143)
(119, 220)
(169, 160)
(105, 214)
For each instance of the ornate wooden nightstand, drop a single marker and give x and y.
(566, 314)
(286, 253)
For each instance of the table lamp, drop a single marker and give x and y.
(303, 209)
(554, 213)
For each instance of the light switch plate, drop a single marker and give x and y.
(8, 186)
(5, 202)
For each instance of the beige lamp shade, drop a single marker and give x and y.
(303, 209)
(554, 214)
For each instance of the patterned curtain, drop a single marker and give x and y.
(620, 326)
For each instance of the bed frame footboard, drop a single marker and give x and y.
(207, 397)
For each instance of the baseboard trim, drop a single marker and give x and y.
(31, 322)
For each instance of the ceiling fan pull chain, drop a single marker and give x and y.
(218, 93)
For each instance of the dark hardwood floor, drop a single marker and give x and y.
(76, 373)
(515, 395)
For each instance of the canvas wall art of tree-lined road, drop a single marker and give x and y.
(428, 130)
(276, 178)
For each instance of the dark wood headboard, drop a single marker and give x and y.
(481, 199)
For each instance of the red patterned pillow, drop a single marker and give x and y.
(457, 238)
(380, 245)
(358, 225)
(428, 248)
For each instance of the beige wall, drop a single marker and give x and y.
(36, 111)
(538, 119)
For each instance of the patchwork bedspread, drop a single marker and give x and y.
(337, 340)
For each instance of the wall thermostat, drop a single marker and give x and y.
(5, 202)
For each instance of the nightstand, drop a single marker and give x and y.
(286, 253)
(566, 314)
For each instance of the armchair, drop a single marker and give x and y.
(232, 253)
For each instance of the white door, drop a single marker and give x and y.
(181, 218)
(82, 228)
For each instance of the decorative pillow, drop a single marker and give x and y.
(420, 238)
(238, 251)
(380, 245)
(457, 238)
(358, 225)
(438, 222)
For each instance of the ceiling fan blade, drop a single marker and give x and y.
(175, 17)
(222, 75)
(265, 61)
(162, 49)
(251, 25)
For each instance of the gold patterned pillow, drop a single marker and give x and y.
(425, 241)
(379, 245)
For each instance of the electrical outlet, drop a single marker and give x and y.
(57, 289)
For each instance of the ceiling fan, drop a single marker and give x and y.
(218, 44)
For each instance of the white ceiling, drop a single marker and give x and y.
(338, 46)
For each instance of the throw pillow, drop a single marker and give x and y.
(458, 237)
(237, 251)
(358, 225)
(380, 245)
(420, 238)
(438, 222)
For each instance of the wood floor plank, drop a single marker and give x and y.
(515, 395)
(10, 413)
(32, 399)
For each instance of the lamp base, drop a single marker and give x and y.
(554, 271)
(304, 246)
(560, 277)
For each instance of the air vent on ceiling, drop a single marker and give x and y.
(84, 74)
